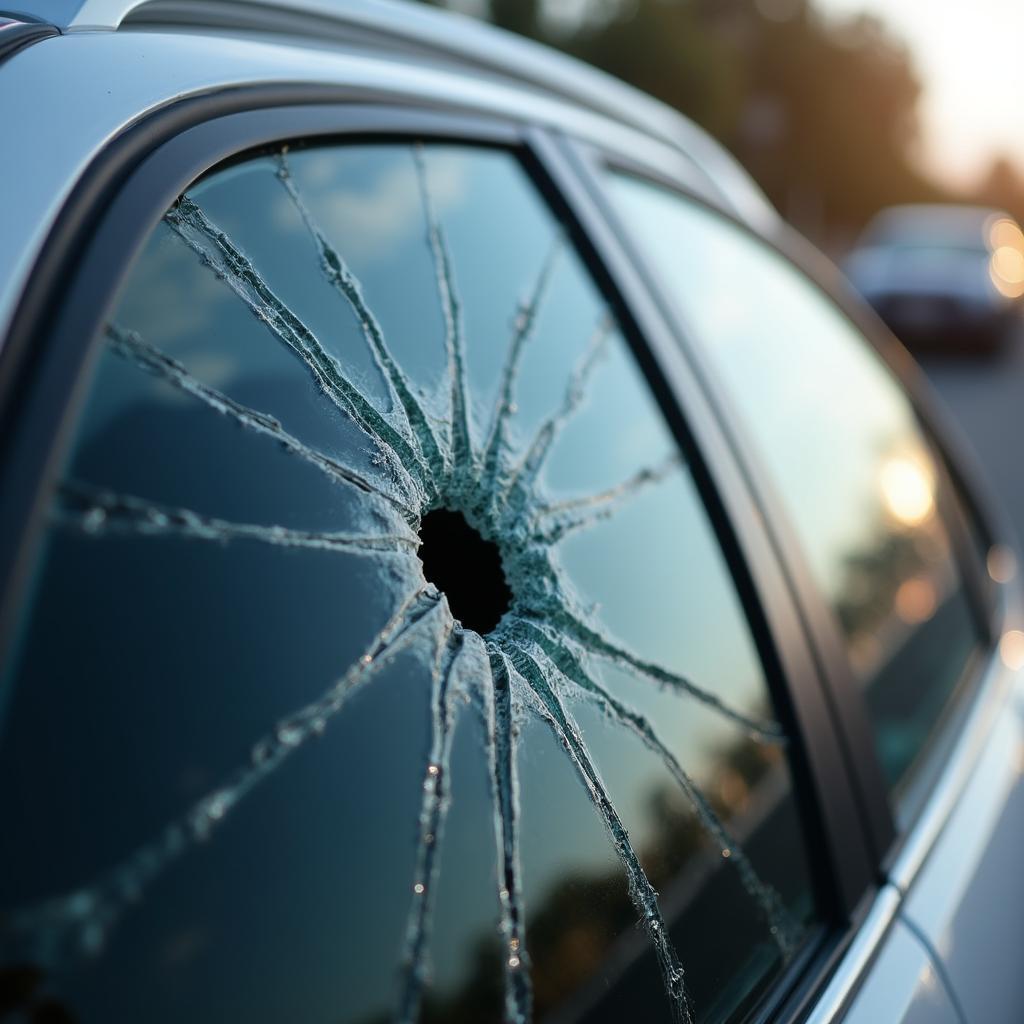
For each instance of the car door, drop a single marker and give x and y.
(386, 644)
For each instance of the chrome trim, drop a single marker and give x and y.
(993, 694)
(857, 959)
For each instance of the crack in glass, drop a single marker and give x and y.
(538, 659)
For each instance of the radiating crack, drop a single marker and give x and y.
(565, 517)
(99, 513)
(519, 490)
(495, 448)
(463, 457)
(570, 665)
(539, 653)
(229, 264)
(433, 816)
(502, 743)
(131, 347)
(347, 284)
(566, 620)
(547, 703)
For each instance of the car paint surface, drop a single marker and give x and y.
(903, 986)
(966, 899)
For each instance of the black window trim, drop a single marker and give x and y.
(975, 507)
(47, 354)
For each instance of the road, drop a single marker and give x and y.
(986, 398)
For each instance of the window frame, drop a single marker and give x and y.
(968, 511)
(45, 364)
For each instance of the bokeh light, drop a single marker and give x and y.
(907, 490)
(1011, 649)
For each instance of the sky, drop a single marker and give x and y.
(970, 57)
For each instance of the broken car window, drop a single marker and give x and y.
(381, 663)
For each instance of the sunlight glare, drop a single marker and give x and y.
(907, 490)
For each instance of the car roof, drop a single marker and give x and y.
(110, 62)
(405, 29)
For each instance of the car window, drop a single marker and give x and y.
(380, 661)
(840, 439)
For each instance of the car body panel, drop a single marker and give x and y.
(903, 986)
(966, 899)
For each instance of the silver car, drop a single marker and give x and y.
(464, 558)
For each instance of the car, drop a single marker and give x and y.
(943, 276)
(465, 558)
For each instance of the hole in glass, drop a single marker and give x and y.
(465, 568)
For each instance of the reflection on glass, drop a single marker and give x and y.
(266, 774)
(842, 444)
(1001, 563)
(1011, 649)
(907, 490)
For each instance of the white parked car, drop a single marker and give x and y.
(464, 559)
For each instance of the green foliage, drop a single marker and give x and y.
(845, 100)
(672, 50)
(522, 16)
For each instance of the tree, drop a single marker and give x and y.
(848, 95)
(823, 114)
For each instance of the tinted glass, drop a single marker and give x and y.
(256, 765)
(840, 438)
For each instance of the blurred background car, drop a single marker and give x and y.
(942, 276)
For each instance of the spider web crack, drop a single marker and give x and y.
(97, 512)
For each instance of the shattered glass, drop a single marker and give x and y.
(253, 766)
